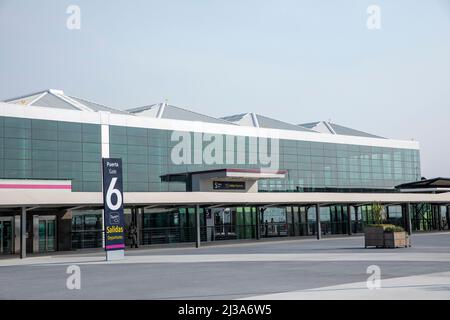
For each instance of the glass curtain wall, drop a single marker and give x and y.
(44, 149)
(311, 166)
(232, 223)
(424, 217)
(393, 215)
(274, 222)
(87, 229)
(299, 221)
(171, 225)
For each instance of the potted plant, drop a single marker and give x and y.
(374, 234)
(395, 237)
(382, 235)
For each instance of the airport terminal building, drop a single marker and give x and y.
(189, 177)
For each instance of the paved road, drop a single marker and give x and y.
(291, 269)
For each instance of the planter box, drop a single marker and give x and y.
(396, 240)
(374, 237)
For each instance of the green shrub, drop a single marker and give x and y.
(394, 229)
(383, 225)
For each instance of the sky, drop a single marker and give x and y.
(293, 60)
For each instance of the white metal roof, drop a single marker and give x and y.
(316, 131)
(260, 121)
(167, 111)
(333, 128)
(52, 98)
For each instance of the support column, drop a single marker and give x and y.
(293, 233)
(318, 228)
(258, 224)
(433, 217)
(342, 219)
(387, 213)
(439, 216)
(356, 219)
(261, 211)
(447, 214)
(197, 226)
(139, 215)
(349, 220)
(299, 219)
(23, 233)
(306, 221)
(63, 230)
(408, 219)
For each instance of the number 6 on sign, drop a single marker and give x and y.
(109, 194)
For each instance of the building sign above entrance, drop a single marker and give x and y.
(229, 185)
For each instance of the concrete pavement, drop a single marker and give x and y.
(293, 269)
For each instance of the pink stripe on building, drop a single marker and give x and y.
(35, 186)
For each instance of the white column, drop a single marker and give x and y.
(104, 122)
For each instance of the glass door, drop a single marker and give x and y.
(225, 223)
(47, 233)
(6, 235)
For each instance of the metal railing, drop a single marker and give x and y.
(421, 224)
(188, 234)
(235, 232)
(84, 239)
(274, 229)
(334, 227)
(357, 227)
(230, 232)
(167, 235)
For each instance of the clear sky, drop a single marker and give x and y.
(297, 61)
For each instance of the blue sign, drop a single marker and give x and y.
(113, 204)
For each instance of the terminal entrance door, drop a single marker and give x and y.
(224, 223)
(233, 223)
(46, 233)
(6, 235)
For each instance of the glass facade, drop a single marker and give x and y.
(170, 225)
(173, 225)
(43, 149)
(315, 165)
(178, 225)
(231, 223)
(311, 166)
(87, 229)
(426, 217)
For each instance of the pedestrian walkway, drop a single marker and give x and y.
(434, 286)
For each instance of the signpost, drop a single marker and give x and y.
(113, 209)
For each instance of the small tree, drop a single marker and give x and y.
(379, 213)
